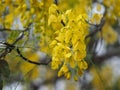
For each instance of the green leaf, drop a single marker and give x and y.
(12, 36)
(4, 68)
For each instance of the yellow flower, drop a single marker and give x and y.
(80, 45)
(80, 72)
(61, 36)
(9, 20)
(64, 70)
(109, 34)
(96, 18)
(68, 55)
(98, 7)
(69, 14)
(32, 10)
(68, 75)
(75, 78)
(68, 35)
(52, 19)
(53, 9)
(79, 55)
(53, 43)
(55, 64)
(72, 62)
(82, 65)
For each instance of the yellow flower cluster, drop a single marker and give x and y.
(109, 34)
(111, 15)
(68, 46)
(113, 10)
(96, 18)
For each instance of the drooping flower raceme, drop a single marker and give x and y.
(68, 46)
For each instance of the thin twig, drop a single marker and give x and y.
(56, 2)
(22, 30)
(19, 38)
(30, 61)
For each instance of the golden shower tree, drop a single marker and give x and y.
(66, 31)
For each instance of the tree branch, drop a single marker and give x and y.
(8, 29)
(30, 61)
(98, 28)
(10, 47)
